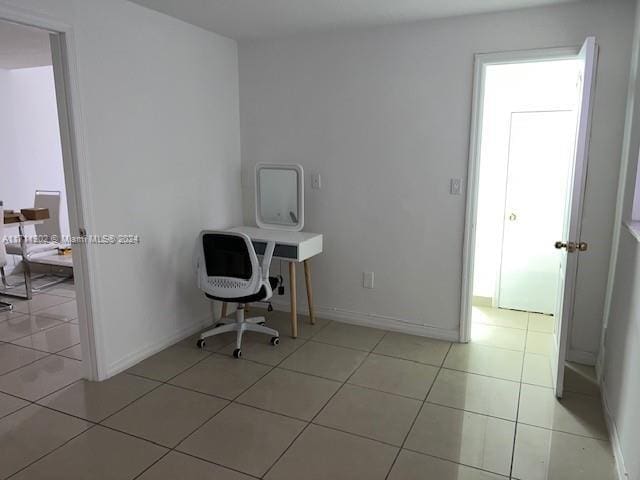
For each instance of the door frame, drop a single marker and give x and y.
(481, 62)
(76, 170)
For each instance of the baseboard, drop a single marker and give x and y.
(151, 349)
(377, 321)
(600, 365)
(613, 437)
(580, 356)
(479, 301)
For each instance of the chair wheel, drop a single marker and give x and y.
(260, 323)
(201, 343)
(237, 353)
(275, 340)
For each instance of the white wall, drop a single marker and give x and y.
(33, 159)
(5, 124)
(383, 114)
(621, 351)
(621, 387)
(159, 115)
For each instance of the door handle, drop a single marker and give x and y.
(583, 246)
(568, 246)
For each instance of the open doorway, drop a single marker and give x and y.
(527, 172)
(44, 327)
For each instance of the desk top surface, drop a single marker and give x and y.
(279, 236)
(24, 224)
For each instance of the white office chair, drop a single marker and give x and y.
(49, 230)
(49, 238)
(228, 270)
(4, 306)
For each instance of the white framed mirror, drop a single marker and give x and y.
(280, 196)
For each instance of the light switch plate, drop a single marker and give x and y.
(455, 187)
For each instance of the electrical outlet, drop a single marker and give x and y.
(316, 181)
(367, 279)
(455, 187)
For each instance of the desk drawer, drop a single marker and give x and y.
(281, 251)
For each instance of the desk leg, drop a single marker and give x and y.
(294, 300)
(307, 279)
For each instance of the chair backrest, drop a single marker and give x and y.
(3, 251)
(227, 264)
(51, 227)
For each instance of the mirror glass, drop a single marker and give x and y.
(279, 196)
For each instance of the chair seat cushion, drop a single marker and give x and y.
(256, 297)
(32, 248)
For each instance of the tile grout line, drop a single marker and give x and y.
(94, 424)
(271, 368)
(229, 402)
(53, 391)
(515, 428)
(310, 422)
(277, 366)
(415, 419)
(43, 351)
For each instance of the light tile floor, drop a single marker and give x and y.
(40, 343)
(341, 402)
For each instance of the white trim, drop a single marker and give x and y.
(614, 438)
(633, 226)
(152, 348)
(372, 320)
(76, 176)
(582, 357)
(482, 60)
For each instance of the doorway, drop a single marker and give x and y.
(45, 325)
(527, 170)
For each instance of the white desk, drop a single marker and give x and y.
(293, 247)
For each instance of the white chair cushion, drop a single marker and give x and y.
(33, 249)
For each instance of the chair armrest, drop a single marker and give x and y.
(266, 260)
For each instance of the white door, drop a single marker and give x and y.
(541, 147)
(570, 243)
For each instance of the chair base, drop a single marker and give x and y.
(240, 325)
(6, 307)
(8, 286)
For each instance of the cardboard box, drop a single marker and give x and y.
(11, 217)
(35, 213)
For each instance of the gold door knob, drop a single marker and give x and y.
(582, 246)
(568, 246)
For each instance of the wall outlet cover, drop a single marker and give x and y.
(455, 187)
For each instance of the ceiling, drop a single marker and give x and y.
(252, 19)
(23, 47)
